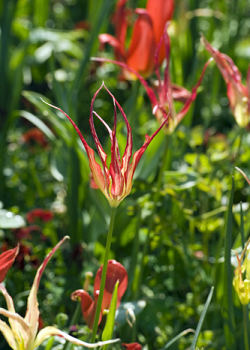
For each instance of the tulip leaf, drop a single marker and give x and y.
(110, 323)
(179, 336)
(198, 329)
(10, 220)
(38, 123)
(227, 307)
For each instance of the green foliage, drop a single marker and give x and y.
(173, 235)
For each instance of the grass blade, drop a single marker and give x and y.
(227, 307)
(198, 329)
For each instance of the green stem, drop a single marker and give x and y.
(104, 272)
(151, 223)
(74, 320)
(241, 133)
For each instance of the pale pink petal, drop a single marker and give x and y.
(32, 314)
(16, 326)
(8, 335)
(20, 328)
(51, 331)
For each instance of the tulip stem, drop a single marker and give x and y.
(151, 223)
(104, 272)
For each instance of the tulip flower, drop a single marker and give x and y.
(22, 334)
(115, 182)
(38, 213)
(146, 35)
(132, 346)
(238, 94)
(6, 260)
(115, 272)
(36, 135)
(163, 90)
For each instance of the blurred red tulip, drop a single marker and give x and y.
(238, 94)
(132, 346)
(6, 260)
(146, 35)
(38, 213)
(35, 135)
(115, 272)
(163, 91)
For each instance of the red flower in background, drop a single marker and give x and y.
(38, 213)
(163, 92)
(238, 94)
(115, 272)
(132, 346)
(146, 35)
(24, 232)
(6, 260)
(35, 135)
(116, 181)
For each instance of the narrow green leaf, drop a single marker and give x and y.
(49, 114)
(179, 336)
(110, 323)
(198, 329)
(245, 307)
(38, 123)
(227, 307)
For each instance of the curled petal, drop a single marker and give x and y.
(51, 331)
(6, 260)
(242, 173)
(115, 272)
(112, 41)
(179, 93)
(88, 306)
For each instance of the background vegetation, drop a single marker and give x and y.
(45, 52)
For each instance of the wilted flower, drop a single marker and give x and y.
(115, 182)
(38, 213)
(22, 334)
(241, 286)
(163, 91)
(6, 260)
(238, 94)
(146, 35)
(115, 272)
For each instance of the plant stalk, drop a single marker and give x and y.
(104, 272)
(151, 223)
